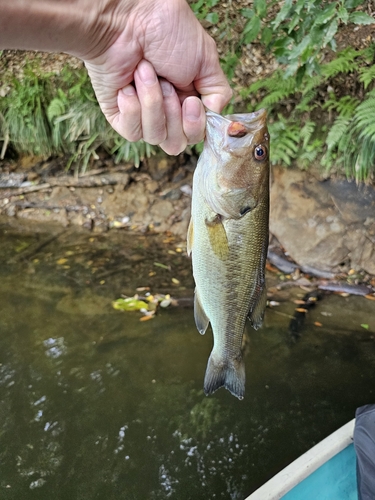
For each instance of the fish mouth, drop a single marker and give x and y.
(256, 119)
(240, 123)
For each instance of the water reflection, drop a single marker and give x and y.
(96, 405)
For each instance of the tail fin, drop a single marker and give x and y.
(229, 374)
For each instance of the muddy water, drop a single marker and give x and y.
(95, 404)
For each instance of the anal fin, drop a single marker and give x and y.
(200, 317)
(190, 236)
(257, 313)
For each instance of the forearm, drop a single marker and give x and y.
(72, 26)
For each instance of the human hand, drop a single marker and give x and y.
(153, 72)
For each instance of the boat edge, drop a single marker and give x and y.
(306, 464)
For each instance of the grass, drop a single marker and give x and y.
(47, 115)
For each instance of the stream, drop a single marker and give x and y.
(96, 404)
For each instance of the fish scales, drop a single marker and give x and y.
(228, 239)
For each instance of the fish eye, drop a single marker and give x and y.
(260, 152)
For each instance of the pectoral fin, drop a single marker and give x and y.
(200, 317)
(218, 237)
(190, 236)
(257, 313)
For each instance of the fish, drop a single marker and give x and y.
(228, 240)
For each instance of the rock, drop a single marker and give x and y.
(160, 167)
(160, 213)
(44, 215)
(328, 225)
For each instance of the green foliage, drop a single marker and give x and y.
(48, 114)
(311, 118)
(300, 30)
(202, 10)
(346, 136)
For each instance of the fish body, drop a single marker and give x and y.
(228, 240)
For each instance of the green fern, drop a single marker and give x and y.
(337, 132)
(343, 63)
(285, 141)
(364, 119)
(367, 75)
(345, 106)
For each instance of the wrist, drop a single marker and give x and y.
(83, 28)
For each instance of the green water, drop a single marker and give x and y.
(95, 404)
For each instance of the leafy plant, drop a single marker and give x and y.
(47, 115)
(309, 120)
(345, 136)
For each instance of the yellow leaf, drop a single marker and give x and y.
(175, 281)
(62, 261)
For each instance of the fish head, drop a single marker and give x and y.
(237, 162)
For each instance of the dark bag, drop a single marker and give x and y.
(364, 444)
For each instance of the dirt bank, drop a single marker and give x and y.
(323, 225)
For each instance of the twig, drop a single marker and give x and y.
(67, 181)
(9, 193)
(30, 252)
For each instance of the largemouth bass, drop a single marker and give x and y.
(228, 240)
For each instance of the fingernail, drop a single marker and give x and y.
(146, 73)
(129, 90)
(193, 108)
(166, 88)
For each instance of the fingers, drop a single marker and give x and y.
(152, 111)
(194, 119)
(175, 141)
(152, 106)
(128, 123)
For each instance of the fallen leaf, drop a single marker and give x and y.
(175, 281)
(317, 323)
(163, 266)
(370, 297)
(146, 318)
(301, 310)
(61, 261)
(129, 304)
(271, 268)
